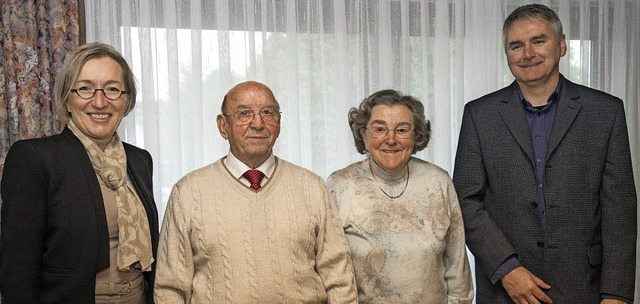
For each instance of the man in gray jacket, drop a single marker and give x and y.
(543, 173)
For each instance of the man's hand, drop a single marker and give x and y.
(612, 301)
(523, 287)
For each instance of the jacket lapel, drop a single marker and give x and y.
(139, 175)
(97, 204)
(512, 114)
(134, 175)
(568, 109)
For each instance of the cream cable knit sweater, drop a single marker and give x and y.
(221, 242)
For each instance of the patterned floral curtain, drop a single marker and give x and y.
(35, 37)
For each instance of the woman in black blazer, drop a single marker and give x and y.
(79, 222)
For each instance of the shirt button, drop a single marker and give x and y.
(539, 185)
(540, 244)
(534, 205)
(538, 160)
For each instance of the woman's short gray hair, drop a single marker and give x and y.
(359, 117)
(73, 65)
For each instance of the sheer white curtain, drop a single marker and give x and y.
(322, 57)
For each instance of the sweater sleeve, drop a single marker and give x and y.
(175, 268)
(457, 273)
(333, 258)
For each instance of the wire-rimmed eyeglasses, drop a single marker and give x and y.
(246, 116)
(381, 132)
(86, 92)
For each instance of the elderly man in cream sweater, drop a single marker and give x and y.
(251, 227)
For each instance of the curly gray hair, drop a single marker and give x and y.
(359, 117)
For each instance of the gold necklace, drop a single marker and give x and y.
(379, 183)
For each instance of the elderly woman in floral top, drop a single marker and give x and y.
(400, 214)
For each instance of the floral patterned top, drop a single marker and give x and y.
(407, 242)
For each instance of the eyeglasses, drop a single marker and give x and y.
(381, 132)
(246, 116)
(87, 92)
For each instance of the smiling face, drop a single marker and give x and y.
(98, 117)
(390, 153)
(534, 51)
(251, 143)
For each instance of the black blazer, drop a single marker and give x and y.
(54, 237)
(589, 244)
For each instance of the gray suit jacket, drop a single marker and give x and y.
(589, 245)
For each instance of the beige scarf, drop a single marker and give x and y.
(133, 226)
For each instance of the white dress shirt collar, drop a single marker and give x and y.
(237, 168)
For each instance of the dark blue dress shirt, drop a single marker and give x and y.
(540, 121)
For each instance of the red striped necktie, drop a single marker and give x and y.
(255, 177)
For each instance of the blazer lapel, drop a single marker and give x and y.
(512, 114)
(139, 177)
(97, 203)
(568, 109)
(135, 177)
